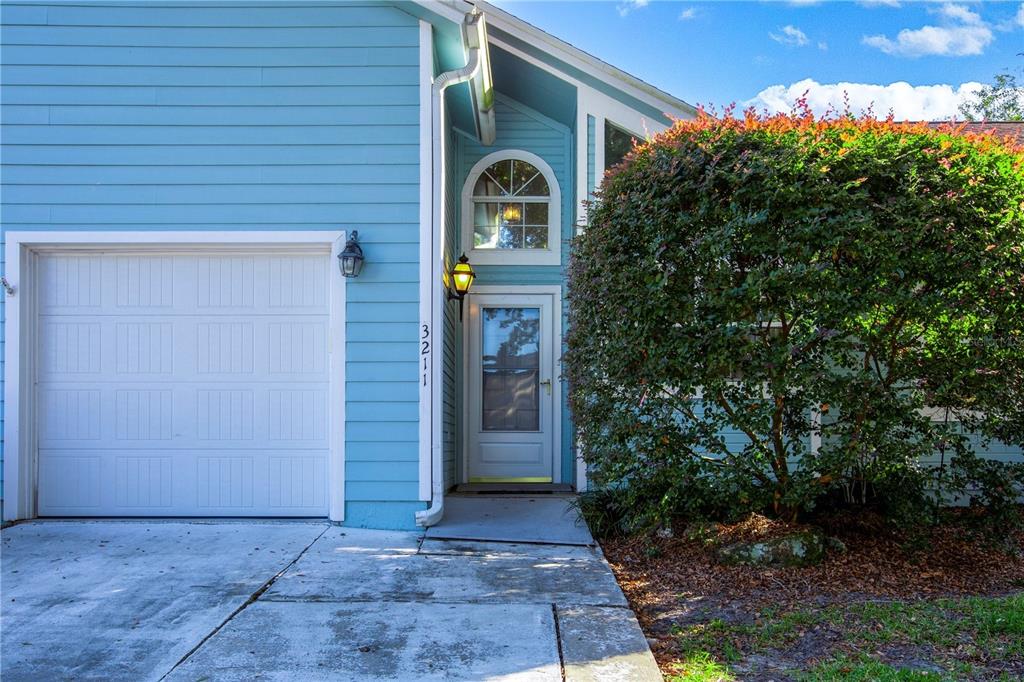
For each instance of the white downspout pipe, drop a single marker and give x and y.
(430, 516)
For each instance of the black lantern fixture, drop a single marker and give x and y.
(461, 279)
(350, 261)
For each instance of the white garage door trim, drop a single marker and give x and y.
(20, 461)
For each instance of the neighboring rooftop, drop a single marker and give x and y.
(1014, 129)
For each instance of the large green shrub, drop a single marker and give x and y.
(748, 287)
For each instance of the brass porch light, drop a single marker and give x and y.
(461, 279)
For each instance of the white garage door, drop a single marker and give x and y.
(182, 385)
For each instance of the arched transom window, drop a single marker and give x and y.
(512, 207)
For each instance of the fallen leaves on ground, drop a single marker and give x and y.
(674, 582)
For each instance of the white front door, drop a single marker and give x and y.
(183, 385)
(510, 375)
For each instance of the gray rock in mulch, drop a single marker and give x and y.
(804, 548)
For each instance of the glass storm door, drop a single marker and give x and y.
(509, 404)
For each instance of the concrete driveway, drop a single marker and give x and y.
(123, 600)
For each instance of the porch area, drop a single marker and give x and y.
(512, 517)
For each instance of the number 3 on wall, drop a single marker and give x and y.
(425, 352)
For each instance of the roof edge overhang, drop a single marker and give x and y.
(567, 54)
(481, 86)
(471, 25)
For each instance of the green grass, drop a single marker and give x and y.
(866, 670)
(953, 634)
(700, 667)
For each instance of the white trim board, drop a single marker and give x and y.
(426, 256)
(20, 476)
(555, 291)
(602, 108)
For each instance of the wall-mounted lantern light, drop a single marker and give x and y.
(350, 261)
(461, 279)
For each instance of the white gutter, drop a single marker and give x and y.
(474, 60)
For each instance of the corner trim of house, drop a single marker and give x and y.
(20, 347)
(426, 256)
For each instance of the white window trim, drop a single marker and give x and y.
(549, 256)
(601, 107)
(20, 478)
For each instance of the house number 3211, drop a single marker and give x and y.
(425, 352)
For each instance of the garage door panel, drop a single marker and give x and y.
(111, 283)
(175, 347)
(186, 385)
(169, 415)
(71, 283)
(182, 483)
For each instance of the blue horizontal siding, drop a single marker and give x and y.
(384, 391)
(227, 76)
(224, 214)
(226, 116)
(219, 135)
(171, 175)
(380, 371)
(378, 471)
(118, 55)
(207, 36)
(247, 116)
(366, 95)
(375, 351)
(87, 153)
(403, 489)
(206, 194)
(382, 312)
(393, 331)
(384, 451)
(381, 429)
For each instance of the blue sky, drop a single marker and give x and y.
(768, 52)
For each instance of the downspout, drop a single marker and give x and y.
(430, 516)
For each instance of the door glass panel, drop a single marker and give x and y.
(511, 369)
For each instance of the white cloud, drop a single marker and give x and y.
(822, 45)
(907, 102)
(790, 35)
(958, 41)
(688, 13)
(1020, 16)
(628, 6)
(963, 33)
(960, 13)
(879, 3)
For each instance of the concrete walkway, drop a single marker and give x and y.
(122, 600)
(550, 519)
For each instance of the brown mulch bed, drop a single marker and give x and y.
(676, 581)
